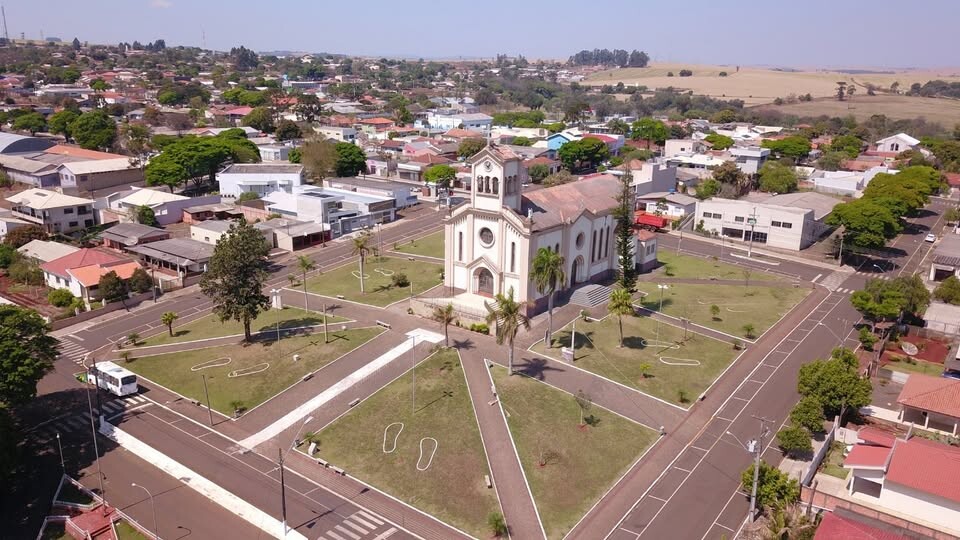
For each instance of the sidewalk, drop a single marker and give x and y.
(761, 251)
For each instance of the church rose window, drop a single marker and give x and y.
(486, 237)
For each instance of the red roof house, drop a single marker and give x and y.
(931, 401)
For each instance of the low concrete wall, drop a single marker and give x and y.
(133, 301)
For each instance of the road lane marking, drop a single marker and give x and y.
(387, 534)
(355, 526)
(657, 498)
(814, 280)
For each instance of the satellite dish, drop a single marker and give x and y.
(909, 348)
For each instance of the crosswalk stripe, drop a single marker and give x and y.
(335, 536)
(363, 522)
(113, 406)
(355, 526)
(348, 533)
(389, 532)
(136, 399)
(369, 516)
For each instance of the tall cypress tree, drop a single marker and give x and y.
(623, 213)
(235, 276)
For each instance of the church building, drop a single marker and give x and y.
(491, 241)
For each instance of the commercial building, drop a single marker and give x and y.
(98, 174)
(259, 178)
(340, 211)
(339, 134)
(749, 159)
(404, 194)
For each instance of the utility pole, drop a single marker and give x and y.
(325, 338)
(752, 221)
(207, 393)
(413, 373)
(283, 493)
(96, 452)
(757, 450)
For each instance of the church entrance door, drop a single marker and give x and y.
(484, 282)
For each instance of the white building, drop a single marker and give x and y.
(167, 207)
(914, 477)
(55, 212)
(673, 147)
(492, 240)
(443, 121)
(274, 152)
(671, 205)
(654, 177)
(211, 230)
(8, 223)
(340, 211)
(259, 178)
(789, 221)
(341, 134)
(749, 159)
(897, 143)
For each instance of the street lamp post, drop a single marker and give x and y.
(96, 452)
(283, 486)
(276, 305)
(413, 373)
(660, 309)
(840, 340)
(752, 221)
(153, 504)
(755, 447)
(60, 447)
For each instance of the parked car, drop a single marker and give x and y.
(930, 238)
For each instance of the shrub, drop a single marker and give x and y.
(60, 297)
(773, 486)
(794, 440)
(867, 338)
(685, 73)
(498, 527)
(481, 328)
(7, 255)
(399, 279)
(749, 331)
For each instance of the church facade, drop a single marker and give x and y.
(492, 241)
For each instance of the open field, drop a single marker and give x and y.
(759, 85)
(762, 306)
(452, 487)
(269, 364)
(431, 245)
(210, 326)
(567, 465)
(945, 112)
(379, 272)
(690, 267)
(664, 368)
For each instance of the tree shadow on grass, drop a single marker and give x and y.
(535, 368)
(583, 340)
(634, 342)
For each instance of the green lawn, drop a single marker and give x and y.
(568, 466)
(210, 326)
(55, 530)
(431, 245)
(690, 267)
(174, 370)
(452, 487)
(901, 364)
(72, 494)
(597, 351)
(761, 306)
(833, 462)
(379, 287)
(125, 531)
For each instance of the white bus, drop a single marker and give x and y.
(113, 378)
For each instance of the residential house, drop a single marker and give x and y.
(203, 212)
(673, 147)
(212, 230)
(650, 177)
(667, 204)
(552, 165)
(259, 178)
(556, 140)
(55, 212)
(98, 174)
(933, 402)
(945, 261)
(9, 222)
(31, 172)
(274, 152)
(749, 159)
(43, 251)
(443, 121)
(80, 271)
(915, 477)
(339, 134)
(124, 235)
(167, 207)
(613, 142)
(789, 221)
(175, 256)
(895, 144)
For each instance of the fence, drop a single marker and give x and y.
(820, 454)
(133, 301)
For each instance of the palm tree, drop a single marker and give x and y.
(548, 276)
(620, 304)
(444, 315)
(361, 247)
(305, 264)
(168, 319)
(507, 314)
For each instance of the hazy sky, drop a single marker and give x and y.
(819, 33)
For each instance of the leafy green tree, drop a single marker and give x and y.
(32, 122)
(306, 265)
(287, 130)
(794, 440)
(60, 297)
(135, 137)
(22, 235)
(7, 255)
(167, 319)
(835, 382)
(27, 354)
(867, 338)
(445, 315)
(260, 118)
(583, 154)
(111, 287)
(248, 196)
(146, 216)
(707, 188)
(295, 155)
(831, 161)
(236, 275)
(795, 146)
(775, 177)
(23, 270)
(774, 487)
(59, 122)
(442, 175)
(715, 312)
(948, 291)
(198, 158)
(719, 142)
(165, 173)
(952, 215)
(507, 316)
(522, 141)
(879, 301)
(538, 172)
(469, 147)
(727, 173)
(848, 144)
(866, 224)
(140, 281)
(724, 116)
(94, 130)
(548, 276)
(915, 293)
(351, 160)
(649, 129)
(808, 413)
(620, 304)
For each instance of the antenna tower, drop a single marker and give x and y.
(6, 36)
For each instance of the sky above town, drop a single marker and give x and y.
(815, 33)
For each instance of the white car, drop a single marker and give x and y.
(930, 238)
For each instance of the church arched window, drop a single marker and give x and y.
(496, 185)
